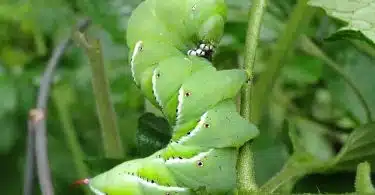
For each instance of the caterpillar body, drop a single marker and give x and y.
(171, 43)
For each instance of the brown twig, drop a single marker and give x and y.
(28, 187)
(37, 140)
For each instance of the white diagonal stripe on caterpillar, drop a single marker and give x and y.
(154, 87)
(138, 47)
(180, 104)
(195, 158)
(195, 130)
(157, 186)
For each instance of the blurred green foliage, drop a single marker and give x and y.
(314, 128)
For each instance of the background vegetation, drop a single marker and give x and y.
(313, 100)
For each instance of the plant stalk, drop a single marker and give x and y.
(363, 183)
(107, 117)
(245, 165)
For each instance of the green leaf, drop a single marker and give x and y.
(363, 183)
(295, 168)
(270, 153)
(358, 14)
(268, 161)
(303, 70)
(359, 147)
(311, 153)
(349, 35)
(8, 95)
(8, 134)
(14, 56)
(360, 69)
(153, 134)
(311, 139)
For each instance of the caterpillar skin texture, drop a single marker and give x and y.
(169, 42)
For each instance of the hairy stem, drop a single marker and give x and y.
(363, 183)
(107, 116)
(62, 105)
(298, 21)
(314, 50)
(245, 164)
(37, 123)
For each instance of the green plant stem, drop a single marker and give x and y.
(299, 20)
(245, 166)
(70, 135)
(314, 50)
(297, 166)
(108, 120)
(363, 184)
(288, 173)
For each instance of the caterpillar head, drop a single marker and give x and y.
(94, 187)
(105, 184)
(98, 185)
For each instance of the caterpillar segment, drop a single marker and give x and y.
(170, 46)
(222, 123)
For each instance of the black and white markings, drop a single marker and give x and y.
(203, 50)
(206, 47)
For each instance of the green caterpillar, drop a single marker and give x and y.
(171, 44)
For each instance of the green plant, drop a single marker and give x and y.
(196, 99)
(311, 94)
